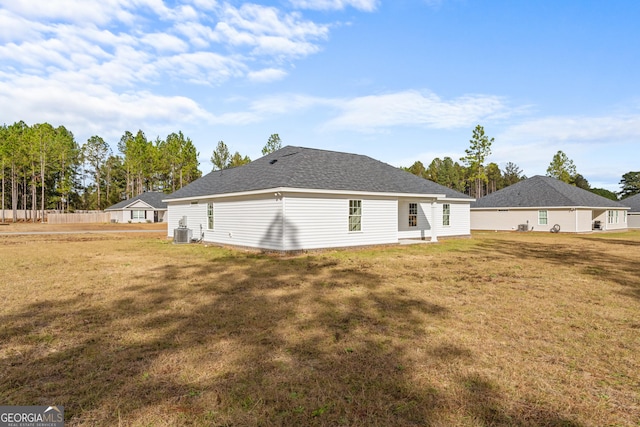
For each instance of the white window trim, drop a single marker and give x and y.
(446, 214)
(211, 216)
(136, 212)
(354, 215)
(546, 217)
(413, 215)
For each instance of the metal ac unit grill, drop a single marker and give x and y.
(181, 235)
(523, 227)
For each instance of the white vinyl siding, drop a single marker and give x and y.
(322, 222)
(195, 213)
(633, 219)
(616, 219)
(297, 221)
(248, 221)
(571, 220)
(459, 223)
(423, 219)
(458, 214)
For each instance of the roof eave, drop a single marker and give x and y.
(549, 207)
(437, 196)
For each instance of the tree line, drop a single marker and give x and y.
(44, 168)
(221, 158)
(476, 178)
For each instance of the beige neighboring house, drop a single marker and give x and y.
(633, 216)
(541, 203)
(146, 207)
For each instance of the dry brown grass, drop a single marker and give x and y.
(29, 227)
(502, 329)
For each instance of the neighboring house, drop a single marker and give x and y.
(633, 216)
(300, 198)
(540, 202)
(147, 207)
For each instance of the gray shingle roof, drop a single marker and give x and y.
(308, 168)
(543, 191)
(633, 202)
(152, 198)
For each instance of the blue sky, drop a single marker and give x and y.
(399, 81)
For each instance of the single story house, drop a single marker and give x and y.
(300, 198)
(541, 203)
(146, 207)
(633, 216)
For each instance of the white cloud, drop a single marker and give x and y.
(94, 109)
(79, 12)
(289, 102)
(92, 65)
(206, 68)
(267, 75)
(162, 42)
(552, 130)
(81, 35)
(376, 113)
(414, 108)
(365, 5)
(269, 32)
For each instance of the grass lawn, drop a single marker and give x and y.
(503, 329)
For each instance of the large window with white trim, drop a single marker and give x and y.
(413, 214)
(542, 218)
(355, 215)
(446, 214)
(138, 214)
(210, 213)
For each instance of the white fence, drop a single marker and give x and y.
(75, 218)
(55, 217)
(21, 215)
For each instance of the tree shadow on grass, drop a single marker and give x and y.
(488, 407)
(602, 258)
(235, 340)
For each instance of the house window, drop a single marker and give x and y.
(355, 215)
(413, 214)
(542, 218)
(446, 214)
(138, 214)
(210, 216)
(612, 217)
